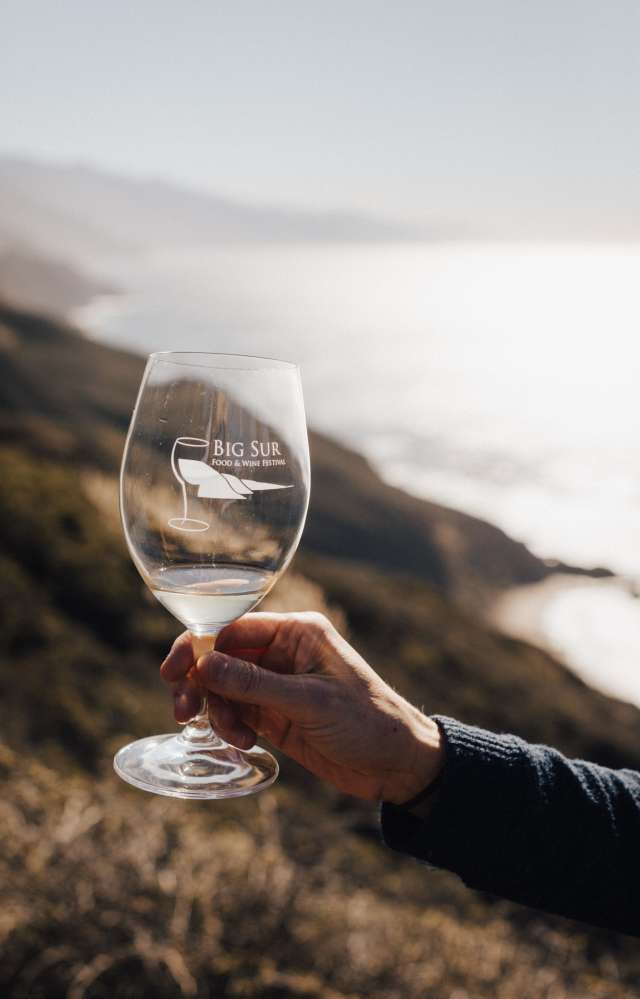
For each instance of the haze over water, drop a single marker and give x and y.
(499, 379)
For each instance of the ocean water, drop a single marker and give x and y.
(499, 379)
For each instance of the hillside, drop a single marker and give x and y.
(81, 394)
(31, 281)
(112, 892)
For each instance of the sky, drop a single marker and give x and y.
(459, 111)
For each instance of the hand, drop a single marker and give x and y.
(293, 679)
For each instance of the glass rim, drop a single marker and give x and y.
(209, 359)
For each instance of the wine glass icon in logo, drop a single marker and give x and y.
(185, 452)
(188, 467)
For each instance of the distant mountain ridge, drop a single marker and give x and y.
(31, 281)
(72, 211)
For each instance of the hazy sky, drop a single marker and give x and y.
(450, 109)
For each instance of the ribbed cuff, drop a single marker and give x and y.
(480, 795)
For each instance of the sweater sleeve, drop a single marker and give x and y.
(523, 822)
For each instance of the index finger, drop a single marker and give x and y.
(179, 661)
(253, 631)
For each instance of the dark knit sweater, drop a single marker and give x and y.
(526, 823)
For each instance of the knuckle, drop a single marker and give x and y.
(219, 670)
(209, 669)
(181, 645)
(315, 620)
(314, 635)
(232, 676)
(248, 679)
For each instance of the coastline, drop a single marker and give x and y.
(587, 622)
(582, 621)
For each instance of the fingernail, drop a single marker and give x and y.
(208, 660)
(212, 655)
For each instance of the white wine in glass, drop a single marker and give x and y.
(214, 489)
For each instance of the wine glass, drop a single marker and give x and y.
(196, 449)
(214, 489)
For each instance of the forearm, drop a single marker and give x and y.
(525, 823)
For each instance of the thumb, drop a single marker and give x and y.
(247, 682)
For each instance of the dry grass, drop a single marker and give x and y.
(109, 892)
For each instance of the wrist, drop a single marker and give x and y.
(426, 761)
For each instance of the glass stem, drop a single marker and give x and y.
(185, 514)
(198, 732)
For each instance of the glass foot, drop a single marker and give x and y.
(189, 524)
(182, 768)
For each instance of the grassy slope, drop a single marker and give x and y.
(69, 398)
(160, 891)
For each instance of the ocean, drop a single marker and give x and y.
(498, 379)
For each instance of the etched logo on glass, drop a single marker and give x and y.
(188, 467)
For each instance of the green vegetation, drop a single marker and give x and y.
(108, 891)
(70, 399)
